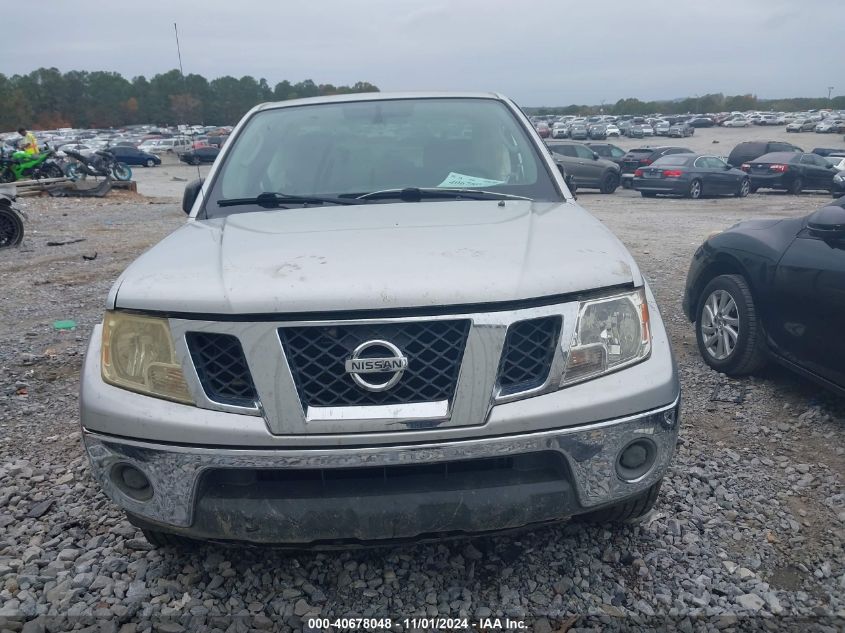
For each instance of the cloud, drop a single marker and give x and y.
(537, 51)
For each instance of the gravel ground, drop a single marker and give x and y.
(749, 532)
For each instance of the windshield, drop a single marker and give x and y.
(354, 148)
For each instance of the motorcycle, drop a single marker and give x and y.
(11, 222)
(100, 164)
(23, 166)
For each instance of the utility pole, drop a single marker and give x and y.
(829, 91)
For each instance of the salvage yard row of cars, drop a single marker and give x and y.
(680, 126)
(140, 146)
(672, 170)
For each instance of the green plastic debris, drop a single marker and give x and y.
(64, 325)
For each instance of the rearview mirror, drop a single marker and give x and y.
(827, 222)
(192, 190)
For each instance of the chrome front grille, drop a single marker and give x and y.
(316, 355)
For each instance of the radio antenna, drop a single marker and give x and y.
(185, 84)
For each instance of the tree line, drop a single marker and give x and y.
(47, 98)
(716, 102)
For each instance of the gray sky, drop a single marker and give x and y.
(539, 52)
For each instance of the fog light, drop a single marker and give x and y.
(132, 482)
(634, 456)
(636, 459)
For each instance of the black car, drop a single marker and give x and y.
(772, 289)
(691, 175)
(586, 167)
(608, 151)
(829, 151)
(200, 155)
(702, 121)
(790, 171)
(749, 150)
(134, 156)
(643, 156)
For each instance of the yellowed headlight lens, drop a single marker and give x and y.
(138, 354)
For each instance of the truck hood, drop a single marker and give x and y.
(376, 257)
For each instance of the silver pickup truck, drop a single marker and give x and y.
(385, 318)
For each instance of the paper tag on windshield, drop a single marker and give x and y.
(462, 180)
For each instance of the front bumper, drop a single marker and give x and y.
(369, 493)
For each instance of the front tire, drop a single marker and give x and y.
(728, 329)
(796, 186)
(52, 171)
(122, 171)
(694, 192)
(629, 510)
(744, 188)
(151, 162)
(11, 228)
(165, 539)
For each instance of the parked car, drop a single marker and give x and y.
(543, 129)
(681, 130)
(829, 151)
(612, 130)
(828, 126)
(587, 169)
(559, 130)
(199, 155)
(838, 162)
(578, 131)
(736, 122)
(597, 131)
(801, 125)
(171, 146)
(702, 121)
(295, 361)
(608, 151)
(790, 171)
(771, 290)
(661, 128)
(643, 156)
(768, 119)
(749, 150)
(133, 156)
(692, 176)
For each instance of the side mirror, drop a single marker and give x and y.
(827, 222)
(192, 190)
(595, 156)
(727, 167)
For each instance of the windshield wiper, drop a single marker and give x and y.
(270, 200)
(415, 194)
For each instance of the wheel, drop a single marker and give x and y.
(727, 327)
(195, 160)
(165, 539)
(744, 188)
(648, 194)
(796, 186)
(609, 183)
(7, 175)
(151, 162)
(122, 171)
(51, 170)
(628, 510)
(694, 189)
(11, 228)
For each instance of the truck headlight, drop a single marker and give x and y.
(138, 354)
(611, 333)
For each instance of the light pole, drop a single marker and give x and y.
(829, 91)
